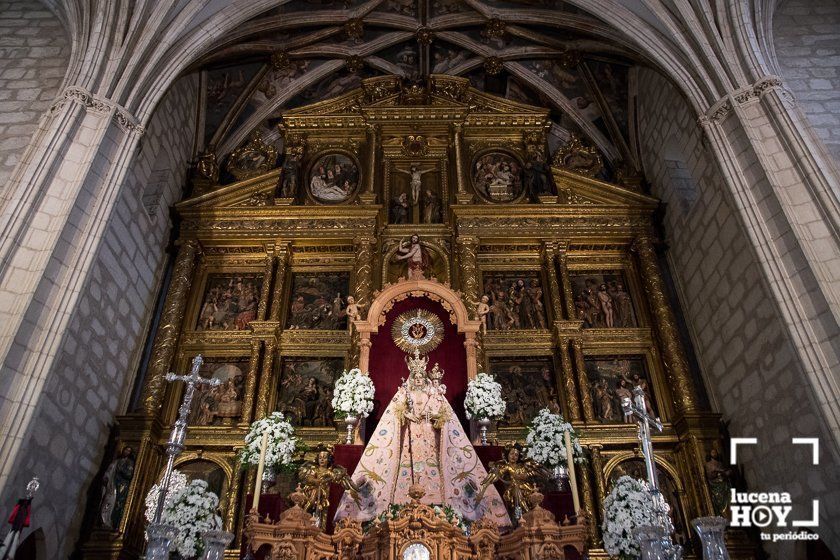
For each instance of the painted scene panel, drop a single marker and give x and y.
(306, 389)
(602, 300)
(213, 406)
(230, 301)
(516, 300)
(318, 301)
(528, 385)
(611, 378)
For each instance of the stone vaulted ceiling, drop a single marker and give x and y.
(544, 53)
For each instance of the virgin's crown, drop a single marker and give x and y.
(417, 364)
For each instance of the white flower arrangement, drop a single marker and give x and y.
(628, 505)
(192, 512)
(281, 446)
(484, 398)
(353, 394)
(177, 482)
(546, 442)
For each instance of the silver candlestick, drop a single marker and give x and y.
(179, 430)
(636, 407)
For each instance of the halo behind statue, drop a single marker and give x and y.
(419, 330)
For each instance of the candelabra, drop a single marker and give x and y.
(655, 541)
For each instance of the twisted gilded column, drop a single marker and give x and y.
(583, 381)
(362, 287)
(665, 324)
(171, 321)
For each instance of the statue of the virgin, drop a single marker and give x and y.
(419, 440)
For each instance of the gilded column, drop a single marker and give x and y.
(583, 381)
(589, 503)
(251, 382)
(569, 387)
(598, 471)
(468, 275)
(268, 272)
(368, 195)
(462, 196)
(266, 378)
(171, 321)
(362, 287)
(281, 252)
(232, 502)
(666, 326)
(566, 283)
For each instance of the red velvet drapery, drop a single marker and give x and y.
(387, 361)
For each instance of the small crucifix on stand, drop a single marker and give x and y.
(175, 445)
(636, 407)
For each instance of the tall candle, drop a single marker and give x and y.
(570, 465)
(260, 469)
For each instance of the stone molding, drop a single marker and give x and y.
(98, 105)
(746, 95)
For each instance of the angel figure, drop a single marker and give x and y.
(316, 479)
(415, 174)
(517, 475)
(482, 310)
(353, 312)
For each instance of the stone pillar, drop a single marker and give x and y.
(583, 381)
(172, 317)
(666, 327)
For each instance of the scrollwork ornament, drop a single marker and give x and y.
(578, 157)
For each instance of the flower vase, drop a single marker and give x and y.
(483, 425)
(711, 531)
(215, 543)
(269, 475)
(161, 538)
(560, 475)
(349, 424)
(655, 544)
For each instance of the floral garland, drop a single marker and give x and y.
(484, 398)
(177, 482)
(443, 511)
(282, 443)
(628, 505)
(546, 441)
(193, 513)
(353, 394)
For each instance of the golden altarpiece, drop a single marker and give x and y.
(566, 264)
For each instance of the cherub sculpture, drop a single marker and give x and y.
(353, 312)
(518, 476)
(316, 479)
(482, 310)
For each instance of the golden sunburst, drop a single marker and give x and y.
(417, 329)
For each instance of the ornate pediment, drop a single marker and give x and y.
(574, 188)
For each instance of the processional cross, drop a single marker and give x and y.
(179, 430)
(636, 407)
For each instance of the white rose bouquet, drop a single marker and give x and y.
(628, 505)
(192, 512)
(282, 443)
(353, 394)
(546, 441)
(484, 398)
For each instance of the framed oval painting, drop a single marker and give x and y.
(497, 176)
(333, 178)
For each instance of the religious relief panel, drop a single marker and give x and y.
(230, 302)
(415, 259)
(416, 196)
(333, 178)
(602, 300)
(219, 405)
(528, 385)
(516, 300)
(306, 389)
(611, 378)
(318, 300)
(497, 177)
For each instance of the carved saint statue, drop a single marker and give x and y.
(518, 476)
(316, 479)
(719, 478)
(419, 441)
(117, 479)
(417, 257)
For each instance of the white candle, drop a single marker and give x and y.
(570, 465)
(260, 468)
